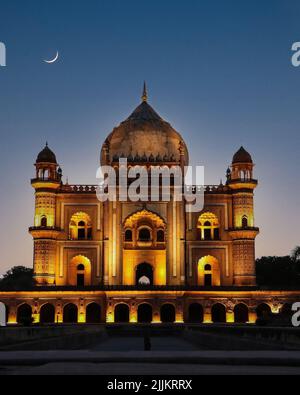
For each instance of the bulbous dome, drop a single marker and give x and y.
(46, 156)
(145, 135)
(242, 156)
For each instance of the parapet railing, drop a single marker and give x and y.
(93, 188)
(32, 228)
(79, 188)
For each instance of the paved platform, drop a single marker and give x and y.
(142, 369)
(248, 358)
(134, 343)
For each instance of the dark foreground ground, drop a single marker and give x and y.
(120, 351)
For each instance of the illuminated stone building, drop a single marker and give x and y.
(143, 261)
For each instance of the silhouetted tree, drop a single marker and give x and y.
(296, 254)
(279, 271)
(17, 278)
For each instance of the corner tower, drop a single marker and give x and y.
(44, 232)
(240, 180)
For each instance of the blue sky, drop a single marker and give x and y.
(219, 71)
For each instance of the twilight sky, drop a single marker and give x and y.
(219, 71)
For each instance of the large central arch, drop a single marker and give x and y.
(144, 241)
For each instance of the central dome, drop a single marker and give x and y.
(144, 137)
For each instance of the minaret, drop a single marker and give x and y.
(44, 232)
(243, 232)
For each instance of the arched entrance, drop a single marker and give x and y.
(79, 272)
(218, 313)
(209, 272)
(195, 313)
(144, 274)
(24, 314)
(70, 314)
(263, 311)
(241, 313)
(47, 314)
(286, 311)
(2, 314)
(145, 314)
(122, 313)
(93, 313)
(167, 313)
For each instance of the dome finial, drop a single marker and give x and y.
(145, 93)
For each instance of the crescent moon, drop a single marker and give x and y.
(53, 60)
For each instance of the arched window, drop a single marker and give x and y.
(46, 174)
(245, 221)
(160, 236)
(208, 225)
(128, 235)
(80, 227)
(143, 229)
(80, 267)
(207, 267)
(44, 221)
(144, 234)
